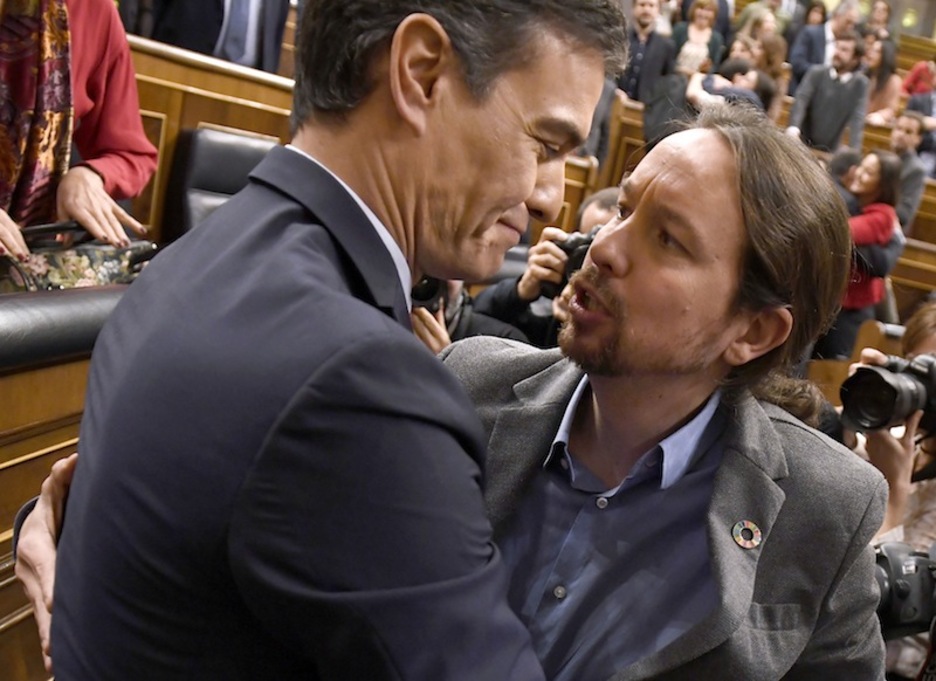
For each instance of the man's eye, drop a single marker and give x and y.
(623, 212)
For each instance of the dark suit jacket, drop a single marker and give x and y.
(197, 25)
(799, 606)
(659, 60)
(277, 480)
(808, 50)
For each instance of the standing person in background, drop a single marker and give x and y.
(652, 55)
(246, 32)
(68, 79)
(905, 137)
(878, 20)
(696, 40)
(816, 44)
(832, 98)
(876, 185)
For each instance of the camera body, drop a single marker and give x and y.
(429, 293)
(907, 580)
(576, 247)
(884, 396)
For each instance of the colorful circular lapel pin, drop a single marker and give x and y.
(746, 534)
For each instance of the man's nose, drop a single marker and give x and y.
(545, 202)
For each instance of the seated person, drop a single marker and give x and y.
(37, 184)
(519, 301)
(447, 315)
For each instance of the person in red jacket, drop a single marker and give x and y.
(68, 80)
(876, 187)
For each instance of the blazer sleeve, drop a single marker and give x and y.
(799, 54)
(376, 559)
(804, 95)
(846, 642)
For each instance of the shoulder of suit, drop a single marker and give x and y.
(817, 460)
(484, 358)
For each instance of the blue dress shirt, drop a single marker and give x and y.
(602, 577)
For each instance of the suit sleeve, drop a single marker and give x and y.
(360, 536)
(804, 95)
(911, 193)
(847, 643)
(799, 55)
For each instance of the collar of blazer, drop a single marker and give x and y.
(313, 187)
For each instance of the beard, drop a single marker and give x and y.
(602, 360)
(625, 351)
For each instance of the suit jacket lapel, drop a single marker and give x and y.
(745, 489)
(313, 187)
(522, 435)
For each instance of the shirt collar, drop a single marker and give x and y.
(393, 248)
(680, 449)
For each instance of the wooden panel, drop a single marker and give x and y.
(913, 48)
(923, 227)
(145, 209)
(581, 174)
(184, 90)
(39, 419)
(20, 655)
(625, 142)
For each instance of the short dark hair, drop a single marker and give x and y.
(798, 252)
(889, 184)
(337, 41)
(606, 199)
(843, 160)
(914, 116)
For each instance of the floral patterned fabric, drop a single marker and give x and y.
(78, 267)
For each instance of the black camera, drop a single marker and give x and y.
(907, 580)
(575, 246)
(884, 396)
(429, 293)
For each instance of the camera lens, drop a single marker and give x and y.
(876, 398)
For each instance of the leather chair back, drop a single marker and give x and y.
(208, 166)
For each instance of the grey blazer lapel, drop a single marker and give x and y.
(522, 435)
(745, 489)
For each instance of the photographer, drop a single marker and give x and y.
(447, 315)
(911, 506)
(522, 302)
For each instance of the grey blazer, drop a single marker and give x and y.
(799, 606)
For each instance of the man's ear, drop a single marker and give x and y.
(420, 54)
(766, 330)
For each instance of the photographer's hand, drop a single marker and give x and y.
(431, 329)
(546, 262)
(894, 457)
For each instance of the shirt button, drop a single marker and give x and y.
(559, 592)
(601, 502)
(564, 463)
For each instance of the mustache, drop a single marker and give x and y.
(599, 287)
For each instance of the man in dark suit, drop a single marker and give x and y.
(202, 26)
(664, 514)
(276, 478)
(652, 55)
(815, 44)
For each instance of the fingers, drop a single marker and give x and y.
(430, 329)
(11, 239)
(35, 568)
(545, 262)
(81, 197)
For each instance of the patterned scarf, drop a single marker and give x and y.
(36, 111)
